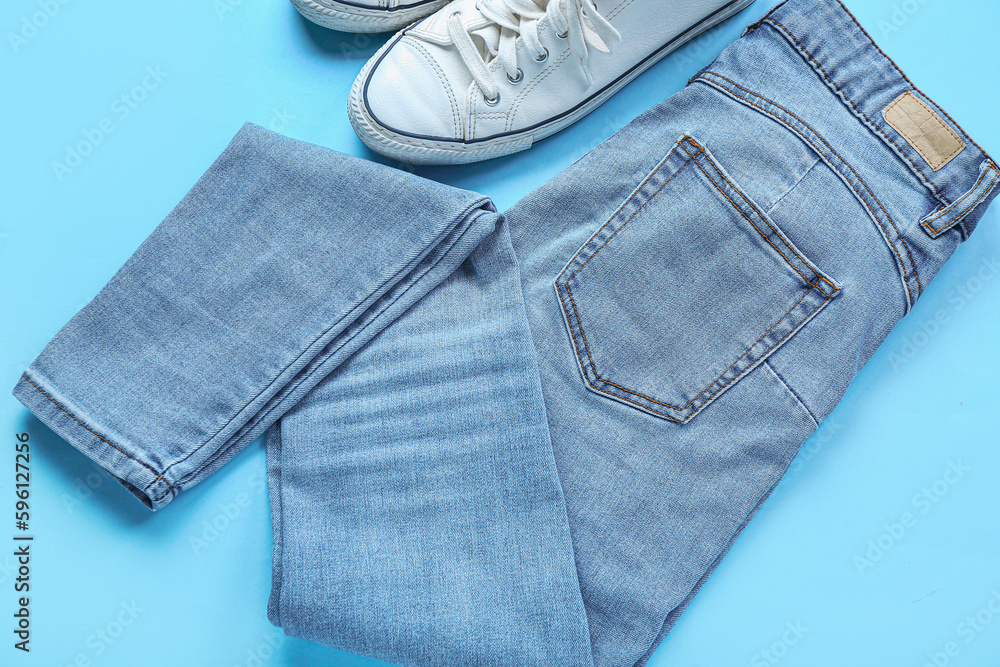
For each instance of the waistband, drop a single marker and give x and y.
(957, 172)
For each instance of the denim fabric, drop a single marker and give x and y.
(529, 438)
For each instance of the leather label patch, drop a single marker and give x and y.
(923, 130)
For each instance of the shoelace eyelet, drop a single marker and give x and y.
(562, 35)
(492, 103)
(517, 78)
(543, 57)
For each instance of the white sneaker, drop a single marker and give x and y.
(484, 78)
(366, 15)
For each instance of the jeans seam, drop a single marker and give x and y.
(907, 79)
(793, 186)
(579, 322)
(159, 476)
(792, 392)
(776, 249)
(923, 176)
(693, 400)
(910, 298)
(636, 212)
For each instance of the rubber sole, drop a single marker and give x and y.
(347, 18)
(422, 150)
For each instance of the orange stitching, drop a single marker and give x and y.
(865, 185)
(586, 345)
(99, 436)
(960, 199)
(937, 216)
(906, 78)
(659, 166)
(794, 329)
(937, 193)
(768, 223)
(762, 234)
(934, 187)
(584, 336)
(974, 205)
(648, 199)
(596, 388)
(958, 219)
(576, 312)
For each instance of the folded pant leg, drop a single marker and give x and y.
(418, 517)
(374, 321)
(283, 259)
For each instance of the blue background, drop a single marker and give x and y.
(926, 400)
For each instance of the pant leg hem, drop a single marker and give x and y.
(140, 478)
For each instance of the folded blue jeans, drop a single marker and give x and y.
(527, 438)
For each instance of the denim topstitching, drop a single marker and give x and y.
(960, 218)
(903, 267)
(579, 322)
(103, 439)
(918, 171)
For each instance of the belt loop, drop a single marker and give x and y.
(942, 219)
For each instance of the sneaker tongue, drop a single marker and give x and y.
(434, 28)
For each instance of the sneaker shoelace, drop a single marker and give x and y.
(504, 21)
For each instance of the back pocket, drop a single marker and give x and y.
(688, 286)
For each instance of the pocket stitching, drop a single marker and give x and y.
(829, 158)
(738, 359)
(579, 322)
(763, 235)
(636, 212)
(594, 368)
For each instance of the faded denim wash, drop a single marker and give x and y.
(527, 439)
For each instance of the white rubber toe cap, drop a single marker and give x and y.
(406, 94)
